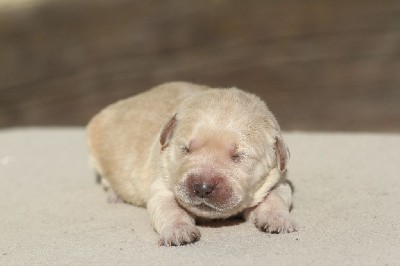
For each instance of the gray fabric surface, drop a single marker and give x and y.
(346, 202)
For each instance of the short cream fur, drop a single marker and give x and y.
(190, 152)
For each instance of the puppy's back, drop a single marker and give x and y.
(120, 137)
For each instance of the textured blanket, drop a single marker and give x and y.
(347, 203)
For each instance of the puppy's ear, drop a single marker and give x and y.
(167, 131)
(282, 154)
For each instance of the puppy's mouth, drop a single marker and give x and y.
(205, 207)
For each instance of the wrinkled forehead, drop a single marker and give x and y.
(218, 138)
(223, 134)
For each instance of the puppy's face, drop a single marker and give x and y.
(218, 151)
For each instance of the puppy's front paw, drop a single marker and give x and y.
(275, 222)
(179, 233)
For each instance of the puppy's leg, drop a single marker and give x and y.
(272, 214)
(174, 225)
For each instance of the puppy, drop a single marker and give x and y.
(189, 152)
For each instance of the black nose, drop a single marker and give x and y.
(203, 190)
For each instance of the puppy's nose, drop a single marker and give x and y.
(203, 190)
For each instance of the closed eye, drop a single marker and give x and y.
(185, 149)
(237, 157)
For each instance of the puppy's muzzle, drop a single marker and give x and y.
(209, 188)
(209, 194)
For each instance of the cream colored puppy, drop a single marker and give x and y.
(190, 152)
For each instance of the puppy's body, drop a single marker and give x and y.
(187, 151)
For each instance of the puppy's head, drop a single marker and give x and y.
(219, 151)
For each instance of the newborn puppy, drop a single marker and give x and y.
(190, 152)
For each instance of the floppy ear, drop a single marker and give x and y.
(166, 132)
(282, 154)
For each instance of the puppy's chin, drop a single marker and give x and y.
(208, 211)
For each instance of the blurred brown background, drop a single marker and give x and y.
(320, 65)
